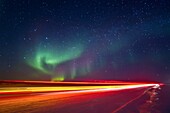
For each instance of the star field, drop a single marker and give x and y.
(85, 39)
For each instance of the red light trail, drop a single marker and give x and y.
(43, 91)
(71, 86)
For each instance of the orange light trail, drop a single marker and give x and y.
(50, 94)
(74, 86)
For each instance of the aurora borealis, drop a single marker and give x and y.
(47, 59)
(85, 40)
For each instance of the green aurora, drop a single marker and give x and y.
(47, 59)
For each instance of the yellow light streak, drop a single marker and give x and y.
(72, 88)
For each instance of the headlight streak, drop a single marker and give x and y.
(74, 87)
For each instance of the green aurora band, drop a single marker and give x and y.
(66, 61)
(46, 60)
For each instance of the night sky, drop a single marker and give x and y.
(85, 40)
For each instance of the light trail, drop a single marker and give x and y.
(80, 86)
(75, 83)
(66, 96)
